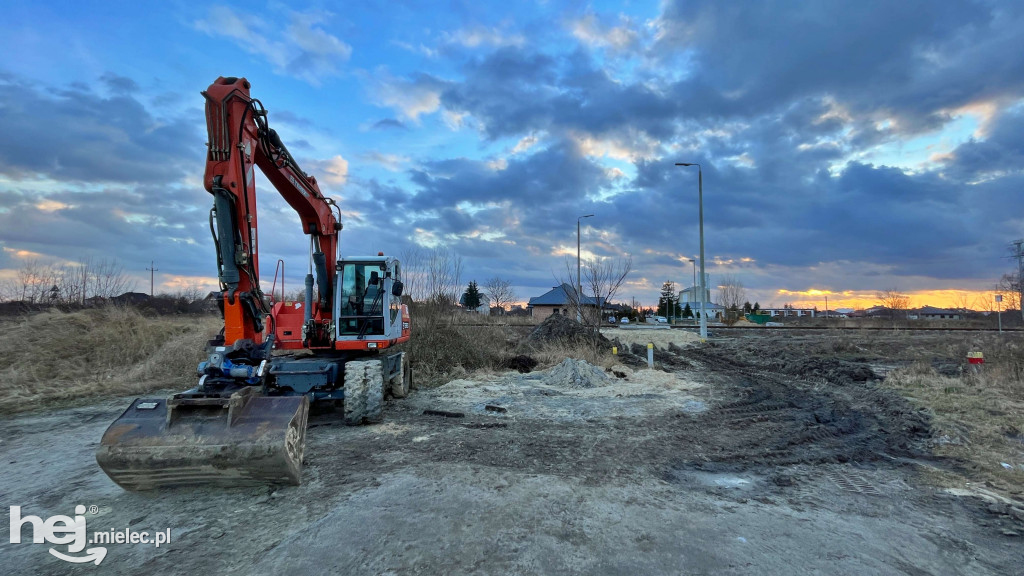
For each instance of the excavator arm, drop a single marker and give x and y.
(239, 141)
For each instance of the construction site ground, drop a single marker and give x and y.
(750, 454)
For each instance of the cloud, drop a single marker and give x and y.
(591, 31)
(389, 124)
(413, 97)
(917, 59)
(332, 171)
(478, 36)
(392, 162)
(119, 84)
(77, 135)
(299, 47)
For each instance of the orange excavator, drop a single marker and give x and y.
(245, 420)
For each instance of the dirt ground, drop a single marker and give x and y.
(751, 454)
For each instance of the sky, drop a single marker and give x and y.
(846, 148)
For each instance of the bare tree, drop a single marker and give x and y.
(1009, 287)
(35, 282)
(986, 303)
(574, 299)
(68, 283)
(602, 278)
(731, 295)
(443, 276)
(413, 272)
(193, 292)
(500, 292)
(896, 302)
(105, 278)
(962, 303)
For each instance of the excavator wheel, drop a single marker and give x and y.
(364, 392)
(401, 382)
(374, 392)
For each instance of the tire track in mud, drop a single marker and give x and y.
(777, 419)
(756, 419)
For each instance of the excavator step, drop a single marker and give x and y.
(242, 440)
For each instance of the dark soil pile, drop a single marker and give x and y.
(521, 363)
(831, 369)
(560, 329)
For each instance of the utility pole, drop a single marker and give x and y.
(151, 269)
(1018, 253)
(999, 303)
(703, 277)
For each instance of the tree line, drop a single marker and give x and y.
(68, 283)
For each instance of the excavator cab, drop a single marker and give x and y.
(368, 303)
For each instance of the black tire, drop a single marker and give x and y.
(355, 393)
(400, 382)
(374, 391)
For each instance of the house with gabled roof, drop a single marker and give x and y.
(561, 300)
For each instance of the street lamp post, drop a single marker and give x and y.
(700, 211)
(579, 285)
(694, 262)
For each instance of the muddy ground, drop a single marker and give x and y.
(743, 456)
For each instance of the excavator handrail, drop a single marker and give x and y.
(273, 287)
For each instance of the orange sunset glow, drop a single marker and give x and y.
(863, 299)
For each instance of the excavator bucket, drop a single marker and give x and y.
(242, 440)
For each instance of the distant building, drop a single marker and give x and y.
(559, 300)
(692, 294)
(790, 312)
(933, 313)
(130, 298)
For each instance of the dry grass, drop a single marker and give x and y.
(56, 357)
(446, 346)
(978, 415)
(551, 354)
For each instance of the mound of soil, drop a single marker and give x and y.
(560, 329)
(572, 373)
